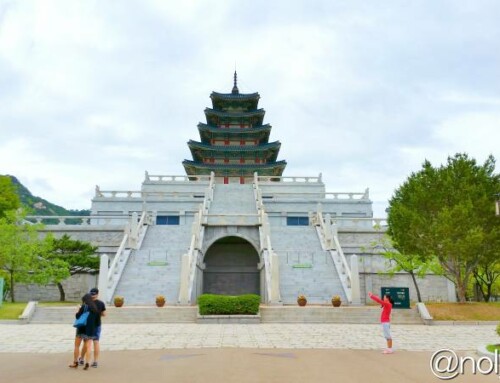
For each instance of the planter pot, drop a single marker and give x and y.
(160, 303)
(302, 302)
(336, 303)
(118, 303)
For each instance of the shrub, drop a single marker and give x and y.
(211, 304)
(498, 329)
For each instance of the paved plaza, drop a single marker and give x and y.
(208, 353)
(56, 338)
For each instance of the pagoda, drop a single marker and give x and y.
(234, 141)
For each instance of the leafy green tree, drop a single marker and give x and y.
(79, 256)
(9, 200)
(22, 253)
(487, 272)
(414, 265)
(448, 213)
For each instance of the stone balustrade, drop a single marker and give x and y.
(78, 220)
(276, 196)
(354, 222)
(276, 179)
(145, 195)
(175, 178)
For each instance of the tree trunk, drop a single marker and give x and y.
(461, 291)
(419, 297)
(62, 295)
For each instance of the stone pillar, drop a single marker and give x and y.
(355, 289)
(103, 278)
(134, 231)
(184, 287)
(275, 279)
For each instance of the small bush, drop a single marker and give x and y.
(498, 329)
(211, 304)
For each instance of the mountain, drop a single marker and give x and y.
(40, 206)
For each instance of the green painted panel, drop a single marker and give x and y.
(302, 266)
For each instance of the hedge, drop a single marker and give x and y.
(211, 304)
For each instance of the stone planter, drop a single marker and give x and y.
(301, 302)
(118, 301)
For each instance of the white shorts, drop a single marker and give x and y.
(386, 328)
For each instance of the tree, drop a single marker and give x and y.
(412, 264)
(9, 200)
(79, 257)
(22, 253)
(487, 272)
(448, 213)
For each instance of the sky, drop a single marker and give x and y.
(97, 92)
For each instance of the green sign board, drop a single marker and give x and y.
(1, 291)
(400, 296)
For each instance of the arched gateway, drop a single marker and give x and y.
(231, 268)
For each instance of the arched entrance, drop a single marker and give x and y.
(231, 268)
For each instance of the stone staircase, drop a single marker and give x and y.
(125, 314)
(329, 314)
(155, 269)
(233, 199)
(268, 314)
(305, 268)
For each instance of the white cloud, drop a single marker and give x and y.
(98, 92)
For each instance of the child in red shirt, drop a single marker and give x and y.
(385, 318)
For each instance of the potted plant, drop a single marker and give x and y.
(118, 301)
(160, 300)
(302, 300)
(336, 301)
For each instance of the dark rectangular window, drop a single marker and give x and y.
(167, 220)
(297, 221)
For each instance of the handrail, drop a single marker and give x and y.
(265, 245)
(117, 256)
(198, 231)
(132, 239)
(330, 242)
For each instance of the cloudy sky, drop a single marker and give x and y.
(97, 92)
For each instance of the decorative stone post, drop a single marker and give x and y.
(355, 290)
(134, 231)
(184, 288)
(275, 278)
(102, 283)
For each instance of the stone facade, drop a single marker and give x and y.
(75, 288)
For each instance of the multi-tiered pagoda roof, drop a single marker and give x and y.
(234, 141)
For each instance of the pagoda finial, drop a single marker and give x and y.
(235, 86)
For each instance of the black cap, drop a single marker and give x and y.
(94, 291)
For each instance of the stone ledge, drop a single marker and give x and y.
(482, 351)
(228, 319)
(28, 312)
(463, 323)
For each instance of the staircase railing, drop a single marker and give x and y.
(193, 256)
(134, 234)
(269, 257)
(328, 235)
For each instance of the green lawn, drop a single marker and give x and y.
(470, 311)
(493, 347)
(11, 310)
